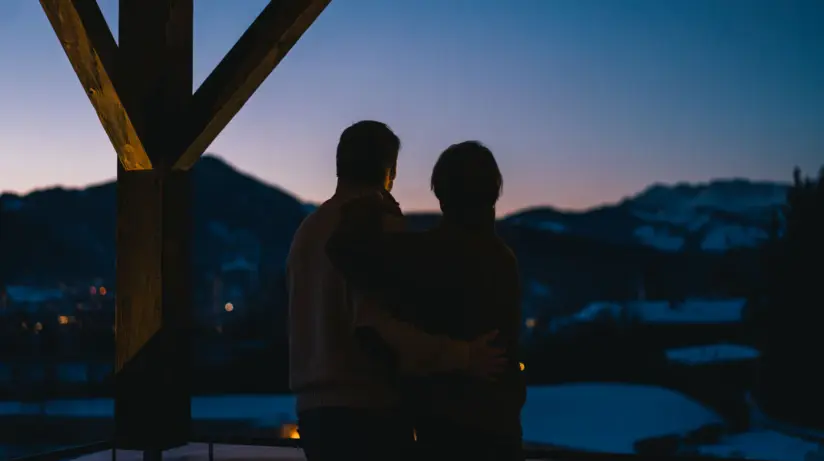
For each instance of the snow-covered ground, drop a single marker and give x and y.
(27, 294)
(689, 311)
(763, 445)
(608, 417)
(266, 410)
(699, 355)
(599, 310)
(659, 238)
(768, 439)
(612, 417)
(722, 238)
(698, 311)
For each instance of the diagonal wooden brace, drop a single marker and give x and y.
(242, 70)
(91, 49)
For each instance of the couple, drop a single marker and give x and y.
(392, 331)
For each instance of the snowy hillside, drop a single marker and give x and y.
(712, 217)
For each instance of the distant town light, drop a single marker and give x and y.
(521, 365)
(63, 320)
(38, 326)
(229, 307)
(530, 322)
(102, 291)
(92, 290)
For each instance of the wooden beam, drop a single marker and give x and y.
(154, 292)
(154, 69)
(154, 298)
(91, 49)
(242, 70)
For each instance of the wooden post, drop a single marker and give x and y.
(142, 92)
(154, 291)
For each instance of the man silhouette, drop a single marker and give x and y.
(348, 403)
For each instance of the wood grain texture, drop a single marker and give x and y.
(92, 51)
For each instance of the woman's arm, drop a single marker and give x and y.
(374, 255)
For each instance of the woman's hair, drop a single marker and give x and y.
(466, 176)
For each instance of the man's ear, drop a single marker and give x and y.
(389, 179)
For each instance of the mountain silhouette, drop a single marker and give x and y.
(674, 239)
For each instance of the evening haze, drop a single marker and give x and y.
(582, 101)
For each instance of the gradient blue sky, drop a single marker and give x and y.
(583, 101)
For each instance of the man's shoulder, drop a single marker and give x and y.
(310, 221)
(316, 226)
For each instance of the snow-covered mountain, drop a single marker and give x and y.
(712, 217)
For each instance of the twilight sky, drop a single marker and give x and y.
(583, 101)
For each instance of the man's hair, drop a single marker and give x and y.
(467, 176)
(365, 151)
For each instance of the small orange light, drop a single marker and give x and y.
(103, 291)
(229, 307)
(289, 431)
(521, 365)
(63, 320)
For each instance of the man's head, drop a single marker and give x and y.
(368, 155)
(466, 177)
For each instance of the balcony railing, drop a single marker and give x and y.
(213, 448)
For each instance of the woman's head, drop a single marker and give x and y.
(466, 177)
